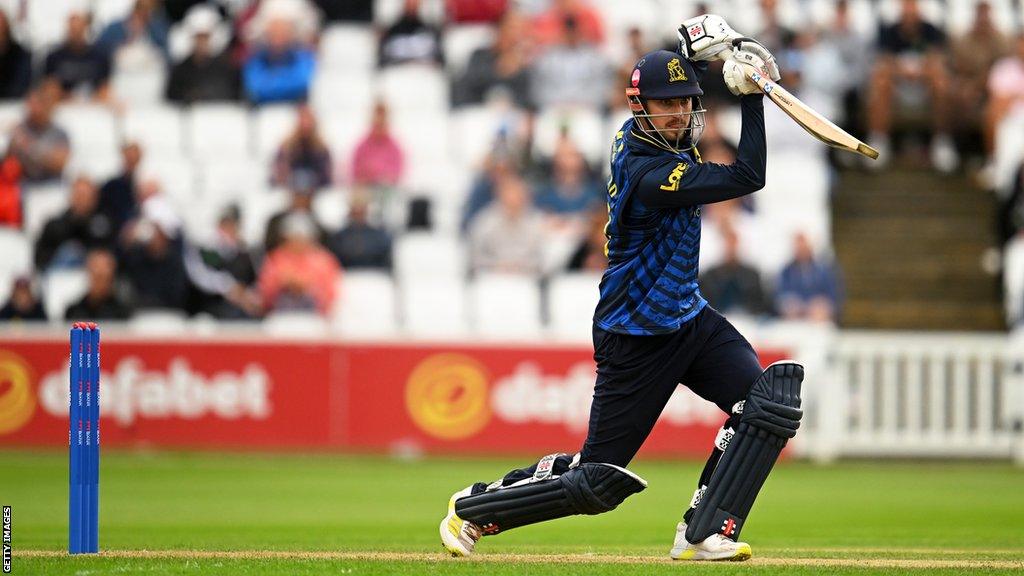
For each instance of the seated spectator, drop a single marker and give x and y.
(40, 146)
(207, 73)
(222, 272)
(302, 191)
(152, 256)
(410, 40)
(118, 196)
(507, 236)
(1005, 90)
(66, 239)
(15, 63)
(502, 66)
(300, 274)
(281, 68)
(733, 286)
(304, 151)
(78, 66)
(146, 23)
(572, 189)
(23, 305)
(973, 55)
(807, 288)
(572, 72)
(854, 53)
(589, 255)
(911, 54)
(378, 159)
(552, 26)
(101, 300)
(510, 154)
(360, 244)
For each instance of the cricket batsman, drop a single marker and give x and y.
(652, 328)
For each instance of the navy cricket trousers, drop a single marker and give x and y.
(636, 376)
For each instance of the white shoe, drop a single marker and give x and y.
(458, 536)
(714, 547)
(943, 154)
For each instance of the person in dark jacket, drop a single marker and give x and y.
(66, 239)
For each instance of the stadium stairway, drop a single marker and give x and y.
(911, 244)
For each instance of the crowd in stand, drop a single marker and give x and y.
(131, 240)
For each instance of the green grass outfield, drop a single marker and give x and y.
(190, 513)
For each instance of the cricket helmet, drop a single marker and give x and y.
(664, 75)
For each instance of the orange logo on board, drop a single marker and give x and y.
(447, 396)
(17, 398)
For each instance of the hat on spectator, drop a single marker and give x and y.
(200, 19)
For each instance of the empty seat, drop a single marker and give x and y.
(176, 176)
(434, 307)
(233, 180)
(256, 211)
(347, 47)
(43, 204)
(504, 305)
(218, 131)
(158, 129)
(62, 288)
(585, 129)
(158, 321)
(330, 207)
(461, 41)
(16, 252)
(46, 21)
(90, 127)
(348, 91)
(295, 324)
(343, 130)
(572, 299)
(137, 86)
(428, 255)
(366, 306)
(99, 166)
(274, 123)
(414, 87)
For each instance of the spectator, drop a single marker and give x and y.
(40, 146)
(973, 55)
(410, 40)
(1005, 90)
(571, 73)
(300, 274)
(23, 305)
(223, 272)
(502, 66)
(303, 152)
(589, 255)
(15, 63)
(78, 66)
(281, 69)
(572, 189)
(378, 159)
(152, 255)
(553, 25)
(302, 190)
(207, 73)
(118, 197)
(773, 34)
(10, 192)
(101, 301)
(507, 236)
(499, 164)
(733, 286)
(854, 53)
(807, 289)
(360, 11)
(146, 23)
(911, 54)
(82, 227)
(360, 244)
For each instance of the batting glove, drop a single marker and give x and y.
(706, 37)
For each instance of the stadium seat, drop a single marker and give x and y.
(11, 114)
(139, 87)
(100, 166)
(297, 325)
(257, 210)
(351, 92)
(47, 21)
(571, 301)
(106, 11)
(272, 125)
(44, 203)
(16, 251)
(218, 130)
(586, 129)
(794, 181)
(176, 176)
(474, 131)
(423, 136)
(503, 305)
(419, 254)
(366, 305)
(62, 288)
(330, 207)
(460, 41)
(343, 131)
(158, 321)
(386, 12)
(347, 47)
(414, 87)
(90, 127)
(226, 181)
(434, 307)
(158, 129)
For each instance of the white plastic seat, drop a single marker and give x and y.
(218, 131)
(90, 128)
(237, 180)
(158, 129)
(423, 137)
(366, 305)
(475, 129)
(295, 324)
(586, 130)
(350, 91)
(343, 130)
(106, 11)
(139, 87)
(257, 210)
(504, 305)
(427, 255)
(62, 288)
(47, 21)
(158, 321)
(16, 252)
(461, 41)
(330, 207)
(794, 182)
(100, 166)
(572, 299)
(272, 125)
(176, 176)
(11, 114)
(434, 307)
(42, 205)
(346, 47)
(414, 87)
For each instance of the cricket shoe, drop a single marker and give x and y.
(457, 535)
(714, 547)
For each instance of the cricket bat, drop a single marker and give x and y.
(815, 124)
